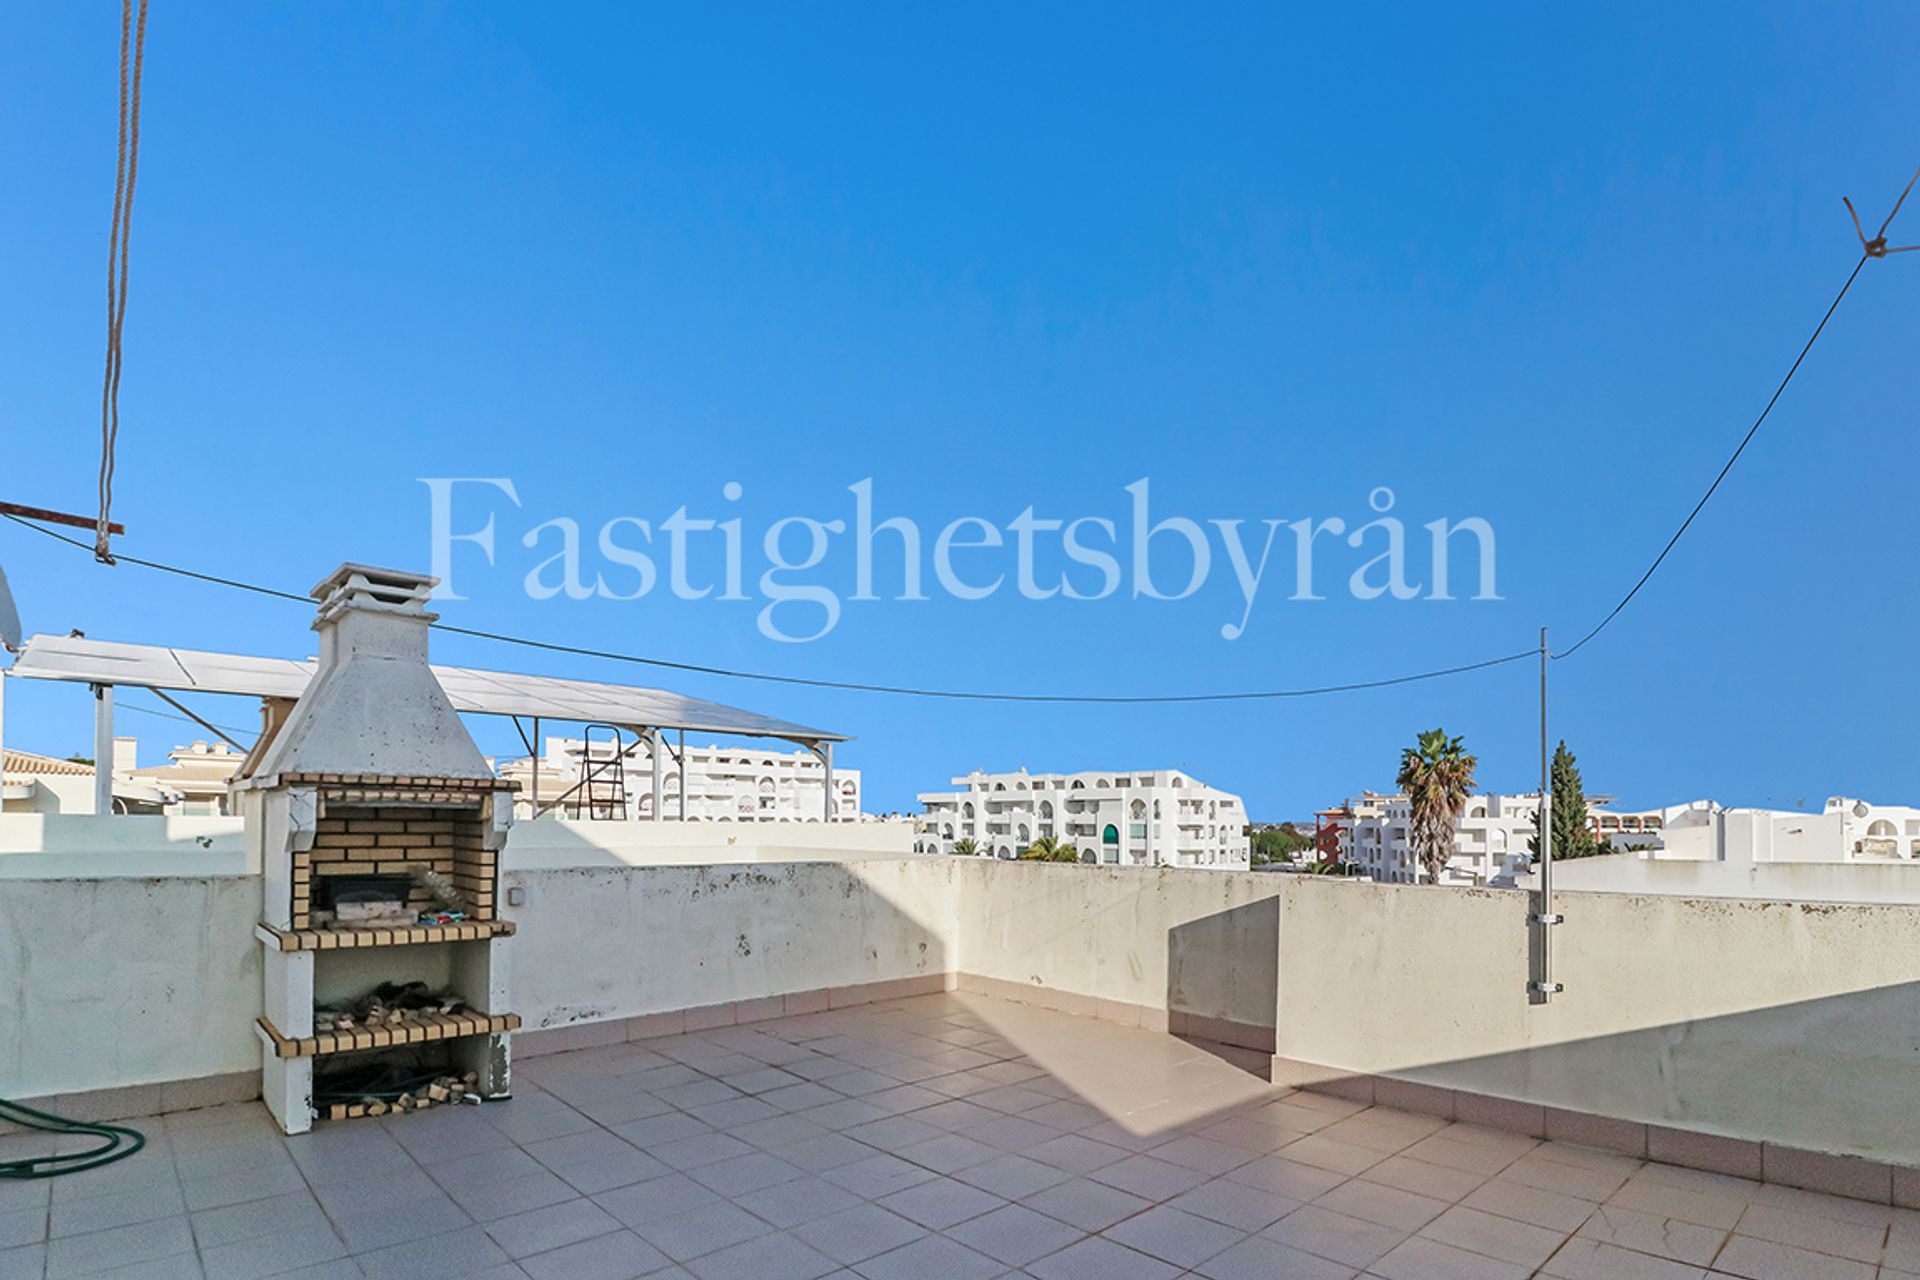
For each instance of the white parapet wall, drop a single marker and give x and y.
(608, 943)
(40, 846)
(1832, 881)
(1784, 1023)
(1165, 947)
(128, 962)
(127, 980)
(1772, 1022)
(572, 842)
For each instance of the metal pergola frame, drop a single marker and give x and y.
(104, 666)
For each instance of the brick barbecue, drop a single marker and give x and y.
(378, 827)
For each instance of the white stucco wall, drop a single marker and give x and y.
(1790, 1022)
(1890, 882)
(600, 942)
(564, 842)
(126, 980)
(41, 845)
(1787, 1022)
(1161, 937)
(112, 975)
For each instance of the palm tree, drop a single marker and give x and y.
(965, 847)
(1047, 849)
(1437, 776)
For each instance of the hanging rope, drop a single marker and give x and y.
(133, 44)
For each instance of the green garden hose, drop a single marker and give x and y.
(117, 1143)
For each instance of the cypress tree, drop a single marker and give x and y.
(1572, 829)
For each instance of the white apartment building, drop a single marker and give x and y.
(722, 784)
(1159, 818)
(1494, 832)
(1373, 835)
(1845, 830)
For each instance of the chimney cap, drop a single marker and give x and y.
(396, 582)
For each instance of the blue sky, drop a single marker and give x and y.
(1540, 266)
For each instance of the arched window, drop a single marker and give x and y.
(966, 810)
(1079, 785)
(1111, 835)
(1046, 811)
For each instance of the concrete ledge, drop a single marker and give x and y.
(1147, 1017)
(588, 1035)
(1849, 1176)
(134, 1101)
(706, 1017)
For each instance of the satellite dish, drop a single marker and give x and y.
(9, 617)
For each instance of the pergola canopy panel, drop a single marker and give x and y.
(81, 660)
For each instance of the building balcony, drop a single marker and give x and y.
(950, 1071)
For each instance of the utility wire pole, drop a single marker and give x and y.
(1542, 988)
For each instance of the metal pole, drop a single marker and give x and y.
(536, 766)
(659, 744)
(1544, 918)
(103, 748)
(681, 755)
(826, 760)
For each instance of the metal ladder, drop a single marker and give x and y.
(604, 784)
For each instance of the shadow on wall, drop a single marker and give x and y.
(1221, 974)
(1780, 1022)
(1833, 1074)
(1789, 1023)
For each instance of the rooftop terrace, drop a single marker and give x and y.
(949, 1135)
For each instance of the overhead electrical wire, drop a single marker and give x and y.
(1875, 248)
(853, 686)
(169, 715)
(1724, 469)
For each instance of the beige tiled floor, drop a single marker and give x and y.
(947, 1136)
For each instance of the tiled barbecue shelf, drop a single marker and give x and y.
(419, 1028)
(412, 935)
